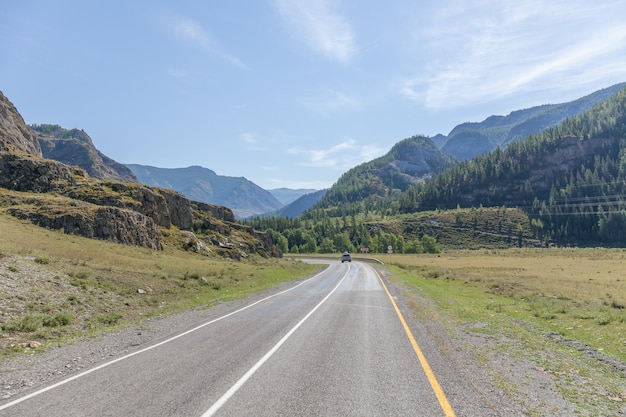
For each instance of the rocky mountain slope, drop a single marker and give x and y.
(15, 136)
(75, 147)
(60, 196)
(202, 184)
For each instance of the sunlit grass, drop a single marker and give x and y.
(561, 309)
(91, 285)
(577, 293)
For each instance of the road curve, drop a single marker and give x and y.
(333, 345)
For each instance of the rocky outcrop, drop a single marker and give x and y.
(106, 223)
(22, 172)
(218, 212)
(15, 135)
(75, 147)
(165, 207)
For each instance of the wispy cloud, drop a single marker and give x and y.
(249, 138)
(333, 102)
(192, 33)
(341, 156)
(507, 49)
(317, 24)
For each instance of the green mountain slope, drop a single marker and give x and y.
(408, 162)
(570, 178)
(468, 140)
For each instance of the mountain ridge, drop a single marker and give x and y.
(202, 184)
(75, 147)
(470, 139)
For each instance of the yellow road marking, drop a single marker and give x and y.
(441, 397)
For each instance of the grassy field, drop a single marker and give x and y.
(562, 309)
(577, 293)
(56, 287)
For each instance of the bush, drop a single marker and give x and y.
(109, 319)
(64, 318)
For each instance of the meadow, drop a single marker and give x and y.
(578, 293)
(559, 311)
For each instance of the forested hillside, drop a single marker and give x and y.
(569, 179)
(372, 185)
(564, 186)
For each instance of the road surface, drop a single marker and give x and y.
(336, 344)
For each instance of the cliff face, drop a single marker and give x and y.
(84, 219)
(15, 135)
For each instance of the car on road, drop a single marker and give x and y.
(346, 257)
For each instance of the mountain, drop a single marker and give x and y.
(468, 140)
(75, 147)
(288, 195)
(299, 206)
(64, 197)
(15, 135)
(409, 162)
(242, 196)
(570, 178)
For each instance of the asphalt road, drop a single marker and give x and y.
(333, 345)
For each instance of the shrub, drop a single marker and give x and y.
(64, 318)
(109, 319)
(31, 322)
(42, 260)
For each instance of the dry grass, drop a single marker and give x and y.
(561, 309)
(577, 293)
(55, 286)
(585, 275)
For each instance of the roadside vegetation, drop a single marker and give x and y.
(564, 309)
(56, 287)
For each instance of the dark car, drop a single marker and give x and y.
(346, 257)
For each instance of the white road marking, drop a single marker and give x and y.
(224, 398)
(104, 365)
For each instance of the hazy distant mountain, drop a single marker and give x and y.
(242, 196)
(302, 204)
(468, 140)
(297, 207)
(288, 195)
(75, 147)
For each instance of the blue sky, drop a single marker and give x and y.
(294, 93)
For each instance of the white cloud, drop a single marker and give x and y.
(514, 47)
(248, 138)
(342, 156)
(193, 34)
(317, 24)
